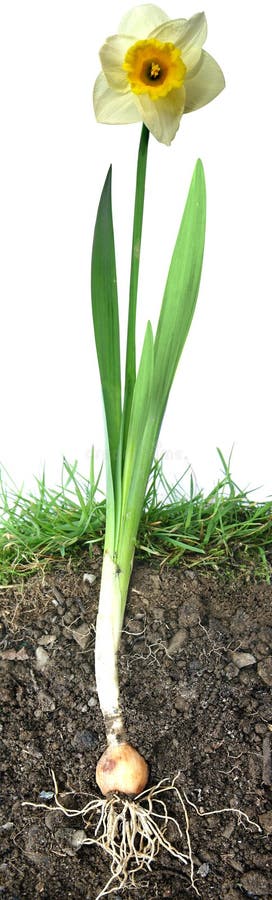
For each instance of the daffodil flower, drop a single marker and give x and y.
(154, 70)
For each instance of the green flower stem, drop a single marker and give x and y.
(130, 375)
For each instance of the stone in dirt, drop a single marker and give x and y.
(15, 655)
(46, 703)
(42, 659)
(265, 670)
(47, 640)
(177, 641)
(81, 635)
(241, 659)
(191, 612)
(266, 821)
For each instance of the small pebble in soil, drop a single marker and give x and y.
(47, 640)
(229, 829)
(77, 838)
(92, 702)
(231, 671)
(46, 795)
(242, 659)
(46, 703)
(203, 870)
(266, 821)
(60, 610)
(81, 635)
(177, 641)
(181, 704)
(191, 612)
(265, 670)
(42, 659)
(186, 693)
(7, 826)
(89, 578)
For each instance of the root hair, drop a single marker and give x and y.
(133, 831)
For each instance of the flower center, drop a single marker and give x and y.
(154, 68)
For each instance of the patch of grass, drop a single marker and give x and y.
(224, 531)
(45, 526)
(221, 531)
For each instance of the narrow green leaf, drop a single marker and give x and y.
(181, 291)
(106, 319)
(138, 414)
(110, 502)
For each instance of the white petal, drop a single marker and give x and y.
(162, 116)
(204, 83)
(187, 34)
(193, 39)
(169, 31)
(112, 56)
(140, 20)
(114, 108)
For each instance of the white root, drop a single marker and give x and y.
(133, 831)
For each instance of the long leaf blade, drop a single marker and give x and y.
(181, 290)
(136, 463)
(138, 414)
(106, 319)
(175, 318)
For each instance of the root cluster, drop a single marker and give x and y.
(133, 831)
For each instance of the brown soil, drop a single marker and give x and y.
(196, 676)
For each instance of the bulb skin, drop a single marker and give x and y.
(121, 769)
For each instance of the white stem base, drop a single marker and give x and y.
(106, 649)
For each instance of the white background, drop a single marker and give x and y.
(54, 158)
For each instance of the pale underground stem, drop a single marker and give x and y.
(108, 630)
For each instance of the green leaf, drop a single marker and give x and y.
(136, 464)
(181, 291)
(174, 322)
(106, 322)
(138, 414)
